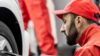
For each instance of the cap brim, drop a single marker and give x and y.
(59, 13)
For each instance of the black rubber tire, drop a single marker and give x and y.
(6, 32)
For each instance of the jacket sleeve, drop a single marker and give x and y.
(24, 13)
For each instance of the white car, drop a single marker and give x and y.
(13, 39)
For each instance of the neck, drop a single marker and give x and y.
(82, 29)
(86, 35)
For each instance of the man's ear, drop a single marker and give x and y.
(79, 22)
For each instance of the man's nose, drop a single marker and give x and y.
(62, 29)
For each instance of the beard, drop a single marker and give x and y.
(73, 34)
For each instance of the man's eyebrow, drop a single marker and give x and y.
(63, 20)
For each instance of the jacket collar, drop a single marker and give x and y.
(86, 35)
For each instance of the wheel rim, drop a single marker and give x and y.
(4, 44)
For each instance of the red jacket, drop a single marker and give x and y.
(89, 42)
(37, 11)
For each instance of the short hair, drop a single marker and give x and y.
(87, 19)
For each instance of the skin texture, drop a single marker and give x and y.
(73, 27)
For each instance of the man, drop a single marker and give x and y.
(80, 26)
(37, 11)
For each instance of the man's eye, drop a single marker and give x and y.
(64, 22)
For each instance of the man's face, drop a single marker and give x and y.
(69, 29)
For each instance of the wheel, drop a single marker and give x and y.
(7, 41)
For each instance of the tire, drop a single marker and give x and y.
(6, 33)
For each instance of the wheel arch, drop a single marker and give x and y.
(10, 20)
